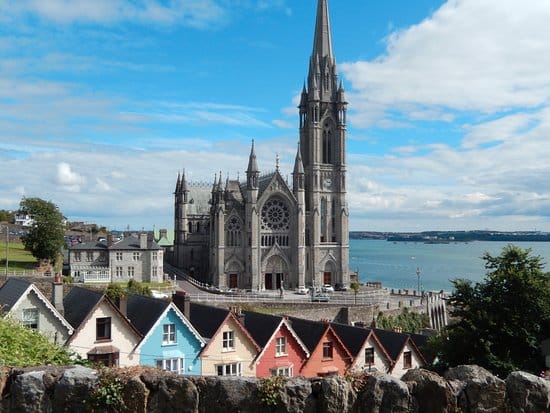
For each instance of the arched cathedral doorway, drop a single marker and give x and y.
(276, 270)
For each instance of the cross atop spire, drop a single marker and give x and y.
(322, 44)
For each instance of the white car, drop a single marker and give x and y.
(302, 291)
(327, 288)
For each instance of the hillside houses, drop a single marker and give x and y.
(198, 339)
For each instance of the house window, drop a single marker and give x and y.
(369, 355)
(131, 272)
(101, 257)
(407, 360)
(280, 346)
(176, 365)
(233, 369)
(107, 360)
(119, 271)
(30, 318)
(89, 256)
(168, 334)
(103, 328)
(228, 343)
(77, 256)
(136, 256)
(327, 350)
(155, 256)
(118, 256)
(281, 371)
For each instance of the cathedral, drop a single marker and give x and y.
(263, 234)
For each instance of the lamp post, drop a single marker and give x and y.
(7, 248)
(418, 278)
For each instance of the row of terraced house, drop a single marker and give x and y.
(197, 339)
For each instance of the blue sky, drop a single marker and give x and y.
(102, 103)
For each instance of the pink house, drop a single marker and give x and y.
(328, 355)
(282, 352)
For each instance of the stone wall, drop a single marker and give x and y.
(467, 389)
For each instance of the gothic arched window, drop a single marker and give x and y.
(327, 144)
(233, 232)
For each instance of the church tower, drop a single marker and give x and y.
(323, 109)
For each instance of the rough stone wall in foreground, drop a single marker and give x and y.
(467, 389)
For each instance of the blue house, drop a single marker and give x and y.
(169, 341)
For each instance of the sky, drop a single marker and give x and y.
(104, 102)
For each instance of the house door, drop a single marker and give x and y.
(233, 280)
(327, 277)
(268, 281)
(279, 280)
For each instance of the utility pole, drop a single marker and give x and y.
(7, 248)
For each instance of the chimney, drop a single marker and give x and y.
(122, 303)
(163, 233)
(183, 302)
(57, 294)
(143, 241)
(109, 239)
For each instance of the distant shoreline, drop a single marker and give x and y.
(448, 237)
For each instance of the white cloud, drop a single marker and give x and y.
(69, 179)
(470, 55)
(194, 13)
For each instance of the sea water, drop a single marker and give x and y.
(403, 264)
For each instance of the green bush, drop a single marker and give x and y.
(21, 347)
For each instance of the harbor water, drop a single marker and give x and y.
(395, 264)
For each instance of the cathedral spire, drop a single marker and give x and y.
(298, 164)
(322, 45)
(178, 184)
(252, 164)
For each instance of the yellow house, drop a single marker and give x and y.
(230, 350)
(102, 334)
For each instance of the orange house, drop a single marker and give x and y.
(328, 355)
(283, 353)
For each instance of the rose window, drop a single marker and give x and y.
(275, 216)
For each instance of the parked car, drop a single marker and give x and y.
(327, 288)
(340, 287)
(302, 291)
(320, 298)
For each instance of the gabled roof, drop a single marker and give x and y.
(144, 311)
(206, 319)
(78, 303)
(146, 328)
(421, 341)
(15, 289)
(90, 245)
(82, 302)
(354, 338)
(263, 327)
(12, 291)
(394, 343)
(310, 332)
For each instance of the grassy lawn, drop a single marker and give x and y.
(19, 259)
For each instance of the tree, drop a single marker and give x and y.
(6, 216)
(46, 237)
(354, 285)
(501, 320)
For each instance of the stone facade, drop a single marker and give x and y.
(264, 234)
(60, 389)
(131, 258)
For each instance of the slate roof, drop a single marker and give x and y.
(128, 243)
(310, 332)
(78, 303)
(421, 341)
(352, 337)
(206, 319)
(260, 326)
(11, 291)
(144, 311)
(392, 341)
(263, 182)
